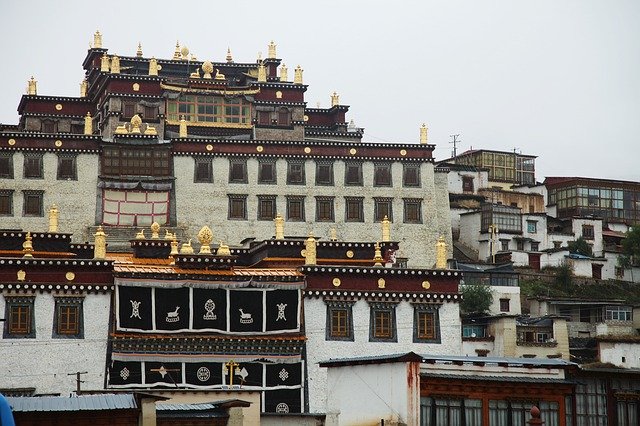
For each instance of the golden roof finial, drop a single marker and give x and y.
(262, 73)
(441, 253)
(333, 234)
(279, 222)
(310, 250)
(186, 248)
(423, 133)
(115, 65)
(54, 214)
(27, 246)
(176, 53)
(83, 88)
(219, 75)
(88, 124)
(97, 40)
(205, 236)
(335, 99)
(32, 86)
(207, 69)
(195, 74)
(155, 230)
(229, 57)
(104, 63)
(223, 250)
(386, 229)
(183, 127)
(153, 66)
(139, 51)
(136, 122)
(272, 50)
(184, 53)
(174, 247)
(283, 73)
(259, 57)
(297, 76)
(377, 257)
(100, 244)
(140, 235)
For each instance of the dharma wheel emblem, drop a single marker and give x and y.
(203, 374)
(282, 408)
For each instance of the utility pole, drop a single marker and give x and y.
(78, 381)
(454, 142)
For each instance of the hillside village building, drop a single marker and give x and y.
(162, 140)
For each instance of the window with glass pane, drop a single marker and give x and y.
(339, 321)
(532, 226)
(67, 167)
(324, 209)
(128, 110)
(266, 207)
(32, 205)
(588, 232)
(238, 171)
(324, 173)
(295, 173)
(264, 118)
(353, 174)
(238, 207)
(210, 109)
(411, 175)
(203, 170)
(382, 322)
(266, 171)
(382, 207)
(382, 174)
(19, 317)
(426, 324)
(68, 317)
(295, 208)
(6, 165)
(412, 210)
(150, 112)
(284, 117)
(354, 209)
(6, 202)
(33, 166)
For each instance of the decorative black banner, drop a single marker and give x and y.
(172, 308)
(163, 372)
(246, 311)
(125, 373)
(134, 307)
(244, 374)
(282, 310)
(283, 401)
(204, 373)
(284, 374)
(210, 309)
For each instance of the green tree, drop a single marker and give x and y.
(580, 246)
(631, 246)
(564, 273)
(476, 299)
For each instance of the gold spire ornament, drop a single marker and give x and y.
(262, 73)
(27, 246)
(377, 256)
(207, 69)
(176, 53)
(174, 247)
(205, 236)
(297, 75)
(310, 250)
(279, 222)
(88, 124)
(115, 65)
(83, 88)
(333, 234)
(32, 86)
(155, 230)
(100, 244)
(423, 133)
(54, 215)
(335, 99)
(97, 40)
(104, 63)
(272, 51)
(441, 253)
(229, 57)
(153, 66)
(139, 51)
(223, 250)
(386, 229)
(283, 73)
(183, 127)
(136, 122)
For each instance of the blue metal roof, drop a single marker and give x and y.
(76, 403)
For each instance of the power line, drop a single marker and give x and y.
(454, 142)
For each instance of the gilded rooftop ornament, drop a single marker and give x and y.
(104, 63)
(310, 250)
(333, 234)
(386, 229)
(174, 247)
(195, 74)
(262, 73)
(205, 236)
(335, 99)
(155, 230)
(168, 235)
(121, 130)
(153, 66)
(283, 73)
(115, 65)
(423, 133)
(279, 222)
(97, 40)
(297, 76)
(186, 248)
(176, 53)
(259, 57)
(83, 88)
(140, 235)
(88, 124)
(377, 257)
(139, 51)
(27, 246)
(207, 69)
(32, 86)
(136, 122)
(184, 53)
(272, 50)
(150, 130)
(229, 57)
(100, 244)
(54, 214)
(183, 127)
(441, 253)
(223, 250)
(219, 75)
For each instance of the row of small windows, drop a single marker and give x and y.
(296, 173)
(325, 208)
(32, 203)
(382, 322)
(33, 166)
(20, 318)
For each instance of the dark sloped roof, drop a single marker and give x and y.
(78, 403)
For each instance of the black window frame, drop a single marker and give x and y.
(295, 199)
(284, 117)
(37, 157)
(7, 196)
(320, 200)
(202, 170)
(382, 175)
(301, 179)
(358, 204)
(266, 200)
(335, 307)
(350, 180)
(27, 302)
(378, 311)
(261, 178)
(505, 304)
(330, 173)
(379, 214)
(68, 171)
(407, 202)
(6, 165)
(32, 194)
(242, 164)
(405, 169)
(62, 303)
(237, 199)
(426, 309)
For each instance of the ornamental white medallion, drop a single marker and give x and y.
(203, 374)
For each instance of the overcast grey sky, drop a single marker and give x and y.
(552, 78)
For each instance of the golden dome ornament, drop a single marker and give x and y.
(205, 236)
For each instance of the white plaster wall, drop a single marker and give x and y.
(541, 230)
(615, 328)
(319, 349)
(505, 292)
(596, 243)
(470, 231)
(366, 394)
(76, 199)
(198, 204)
(613, 352)
(44, 362)
(454, 180)
(469, 347)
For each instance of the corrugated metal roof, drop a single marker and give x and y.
(77, 403)
(502, 378)
(186, 407)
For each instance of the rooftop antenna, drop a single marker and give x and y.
(454, 142)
